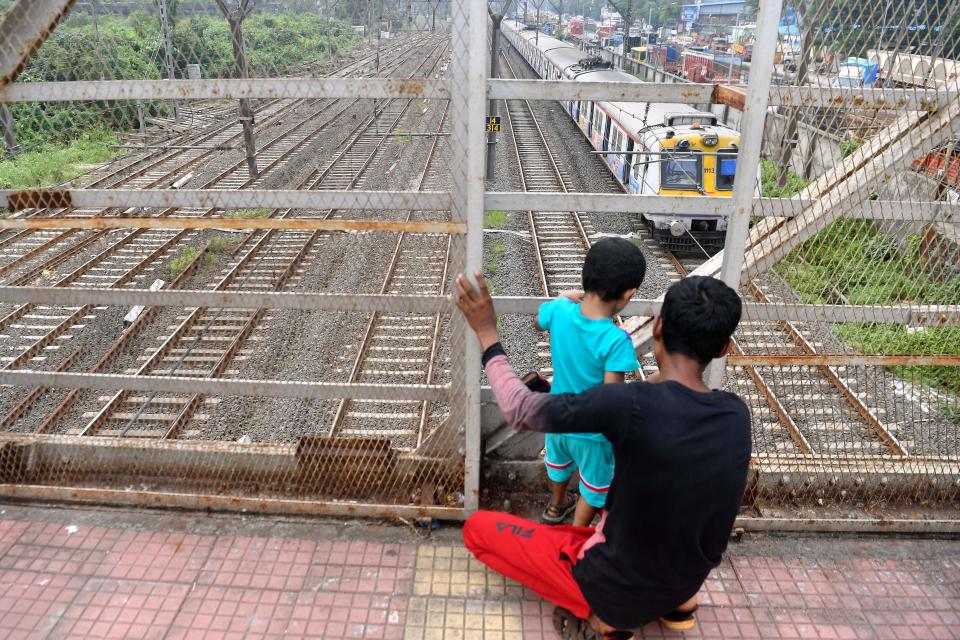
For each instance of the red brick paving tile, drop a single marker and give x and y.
(123, 608)
(31, 601)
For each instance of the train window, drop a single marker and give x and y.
(598, 120)
(726, 169)
(682, 171)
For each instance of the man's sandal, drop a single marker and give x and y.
(557, 513)
(678, 620)
(570, 627)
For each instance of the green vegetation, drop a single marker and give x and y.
(853, 262)
(770, 173)
(248, 214)
(849, 146)
(494, 219)
(179, 264)
(128, 47)
(494, 251)
(951, 412)
(52, 164)
(220, 244)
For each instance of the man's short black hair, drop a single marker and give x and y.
(699, 315)
(613, 266)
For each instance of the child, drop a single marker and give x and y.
(682, 452)
(587, 349)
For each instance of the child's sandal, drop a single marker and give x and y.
(557, 513)
(678, 620)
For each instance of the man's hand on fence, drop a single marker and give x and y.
(477, 308)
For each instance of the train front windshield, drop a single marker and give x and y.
(682, 172)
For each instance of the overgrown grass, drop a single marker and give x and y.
(494, 251)
(951, 412)
(494, 219)
(54, 164)
(184, 257)
(769, 175)
(220, 244)
(248, 214)
(853, 262)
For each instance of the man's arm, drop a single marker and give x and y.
(613, 377)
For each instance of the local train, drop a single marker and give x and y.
(662, 149)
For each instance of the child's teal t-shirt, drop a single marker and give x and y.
(583, 348)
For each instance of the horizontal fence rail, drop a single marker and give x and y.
(919, 211)
(905, 314)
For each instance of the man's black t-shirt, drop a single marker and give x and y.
(681, 468)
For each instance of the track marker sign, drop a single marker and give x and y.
(493, 124)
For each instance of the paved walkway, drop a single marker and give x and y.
(85, 573)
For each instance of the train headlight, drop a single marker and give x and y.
(710, 140)
(677, 228)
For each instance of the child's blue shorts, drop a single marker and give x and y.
(594, 458)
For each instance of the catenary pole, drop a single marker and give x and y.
(168, 50)
(496, 18)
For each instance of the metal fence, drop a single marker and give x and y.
(226, 301)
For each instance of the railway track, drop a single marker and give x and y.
(561, 239)
(402, 348)
(273, 269)
(801, 409)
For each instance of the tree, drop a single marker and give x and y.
(235, 17)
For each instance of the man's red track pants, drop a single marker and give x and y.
(537, 556)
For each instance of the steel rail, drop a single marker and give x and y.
(189, 162)
(793, 430)
(27, 401)
(119, 344)
(743, 359)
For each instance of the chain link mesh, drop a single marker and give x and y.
(858, 210)
(396, 449)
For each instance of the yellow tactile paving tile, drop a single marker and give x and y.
(457, 598)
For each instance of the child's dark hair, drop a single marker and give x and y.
(613, 266)
(699, 315)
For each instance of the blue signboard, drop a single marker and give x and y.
(690, 13)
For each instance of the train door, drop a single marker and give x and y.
(597, 128)
(585, 114)
(636, 176)
(605, 138)
(627, 160)
(615, 160)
